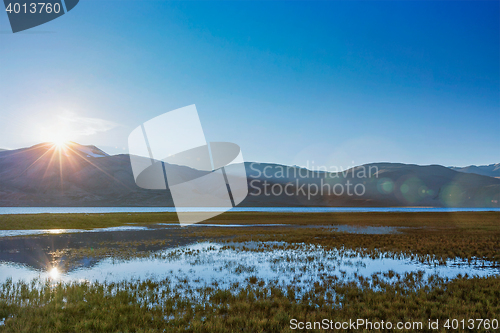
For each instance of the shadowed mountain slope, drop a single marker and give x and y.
(76, 175)
(47, 175)
(378, 184)
(491, 170)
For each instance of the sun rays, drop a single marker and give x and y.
(54, 273)
(60, 143)
(64, 158)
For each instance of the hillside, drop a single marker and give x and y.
(76, 175)
(491, 170)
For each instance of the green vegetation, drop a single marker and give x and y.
(82, 221)
(258, 305)
(478, 221)
(438, 236)
(151, 306)
(422, 244)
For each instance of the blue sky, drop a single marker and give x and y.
(307, 83)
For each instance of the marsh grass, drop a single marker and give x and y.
(255, 306)
(423, 245)
(436, 237)
(174, 305)
(120, 250)
(82, 221)
(425, 236)
(480, 221)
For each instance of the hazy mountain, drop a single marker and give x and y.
(384, 184)
(492, 170)
(76, 175)
(44, 175)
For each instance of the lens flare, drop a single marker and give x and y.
(60, 142)
(54, 273)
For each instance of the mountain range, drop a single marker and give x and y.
(491, 170)
(75, 175)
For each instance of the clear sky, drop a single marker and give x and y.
(329, 83)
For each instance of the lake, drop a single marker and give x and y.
(210, 263)
(186, 261)
(102, 210)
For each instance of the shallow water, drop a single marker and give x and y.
(338, 228)
(367, 230)
(34, 232)
(102, 210)
(208, 263)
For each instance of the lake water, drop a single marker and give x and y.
(33, 232)
(196, 265)
(102, 210)
(210, 263)
(369, 230)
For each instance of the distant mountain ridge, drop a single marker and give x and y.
(44, 175)
(77, 175)
(390, 184)
(491, 170)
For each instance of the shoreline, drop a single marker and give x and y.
(89, 221)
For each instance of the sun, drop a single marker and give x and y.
(59, 141)
(54, 273)
(58, 136)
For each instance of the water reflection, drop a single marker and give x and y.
(100, 210)
(39, 252)
(209, 263)
(35, 232)
(54, 273)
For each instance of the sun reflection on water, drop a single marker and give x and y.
(56, 231)
(54, 273)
